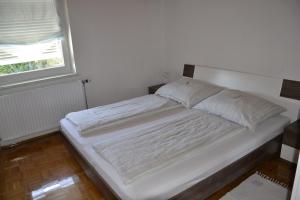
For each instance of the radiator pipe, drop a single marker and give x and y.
(84, 82)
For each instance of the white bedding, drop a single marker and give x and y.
(188, 91)
(101, 116)
(170, 180)
(148, 150)
(240, 107)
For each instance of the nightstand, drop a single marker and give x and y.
(291, 135)
(152, 89)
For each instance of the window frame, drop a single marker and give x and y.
(67, 49)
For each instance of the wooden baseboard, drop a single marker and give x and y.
(45, 135)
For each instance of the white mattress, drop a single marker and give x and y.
(183, 174)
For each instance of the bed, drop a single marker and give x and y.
(195, 176)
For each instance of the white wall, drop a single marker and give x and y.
(123, 46)
(296, 186)
(259, 36)
(118, 44)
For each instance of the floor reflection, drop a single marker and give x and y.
(55, 185)
(43, 169)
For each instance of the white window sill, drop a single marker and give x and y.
(22, 86)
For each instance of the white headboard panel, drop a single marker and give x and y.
(263, 86)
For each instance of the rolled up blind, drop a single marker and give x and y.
(28, 21)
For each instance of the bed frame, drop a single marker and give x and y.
(204, 188)
(201, 190)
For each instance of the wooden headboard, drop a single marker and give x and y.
(290, 89)
(188, 70)
(265, 86)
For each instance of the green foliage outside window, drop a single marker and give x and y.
(29, 66)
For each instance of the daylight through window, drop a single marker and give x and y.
(34, 40)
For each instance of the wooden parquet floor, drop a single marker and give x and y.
(45, 169)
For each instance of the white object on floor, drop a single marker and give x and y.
(258, 187)
(289, 153)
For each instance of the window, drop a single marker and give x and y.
(35, 41)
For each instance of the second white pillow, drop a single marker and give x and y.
(240, 107)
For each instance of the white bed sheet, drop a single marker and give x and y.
(166, 183)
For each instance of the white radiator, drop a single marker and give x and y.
(37, 111)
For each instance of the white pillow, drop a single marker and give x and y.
(240, 107)
(188, 91)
